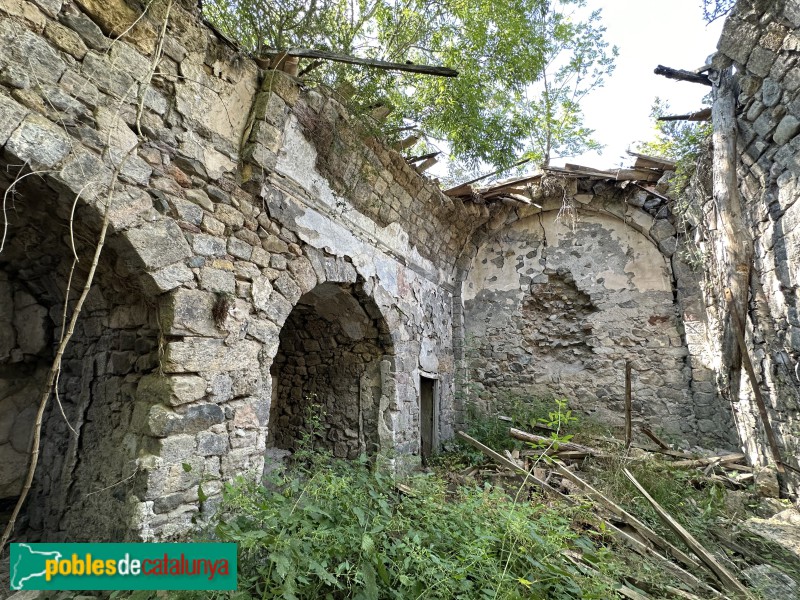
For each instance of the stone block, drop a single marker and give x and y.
(239, 248)
(188, 312)
(23, 47)
(112, 80)
(286, 285)
(174, 449)
(760, 61)
(157, 244)
(217, 280)
(51, 7)
(164, 422)
(116, 17)
(168, 278)
(200, 198)
(11, 115)
(286, 87)
(237, 462)
(212, 444)
(38, 142)
(229, 215)
(186, 389)
(206, 354)
(80, 88)
(738, 39)
(89, 32)
(261, 292)
(65, 40)
(32, 325)
(791, 11)
(786, 130)
(208, 245)
(23, 9)
(188, 211)
(124, 57)
(662, 229)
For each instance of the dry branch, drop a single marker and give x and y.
(699, 115)
(649, 433)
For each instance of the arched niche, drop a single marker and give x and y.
(332, 366)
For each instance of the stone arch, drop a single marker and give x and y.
(334, 361)
(88, 454)
(574, 305)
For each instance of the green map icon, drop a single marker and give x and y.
(28, 564)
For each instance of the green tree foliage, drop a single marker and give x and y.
(677, 140)
(524, 66)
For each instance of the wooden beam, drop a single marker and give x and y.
(681, 75)
(646, 161)
(738, 328)
(354, 60)
(725, 576)
(702, 462)
(649, 433)
(628, 518)
(700, 115)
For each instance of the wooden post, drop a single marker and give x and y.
(738, 327)
(628, 401)
(733, 244)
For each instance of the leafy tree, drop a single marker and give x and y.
(524, 66)
(678, 140)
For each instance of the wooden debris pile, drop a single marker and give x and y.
(645, 171)
(552, 467)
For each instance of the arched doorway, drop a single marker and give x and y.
(332, 368)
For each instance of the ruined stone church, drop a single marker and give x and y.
(264, 257)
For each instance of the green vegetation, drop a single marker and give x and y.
(335, 529)
(340, 530)
(682, 141)
(525, 66)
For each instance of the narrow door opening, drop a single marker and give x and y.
(428, 421)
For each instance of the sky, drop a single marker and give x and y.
(648, 33)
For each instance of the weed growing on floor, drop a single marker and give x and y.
(342, 530)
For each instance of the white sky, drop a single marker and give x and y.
(648, 33)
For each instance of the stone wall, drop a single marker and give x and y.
(237, 194)
(557, 300)
(761, 40)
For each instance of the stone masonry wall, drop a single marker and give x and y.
(761, 39)
(557, 301)
(223, 215)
